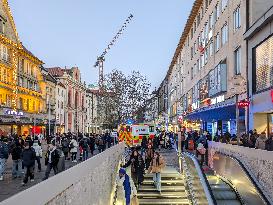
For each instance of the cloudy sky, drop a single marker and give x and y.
(66, 33)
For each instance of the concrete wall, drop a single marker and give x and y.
(259, 162)
(258, 8)
(88, 183)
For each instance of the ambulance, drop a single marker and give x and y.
(132, 134)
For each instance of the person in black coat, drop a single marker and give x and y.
(137, 167)
(28, 158)
(16, 154)
(269, 143)
(51, 160)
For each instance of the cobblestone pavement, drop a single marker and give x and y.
(10, 187)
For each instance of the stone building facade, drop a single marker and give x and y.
(22, 89)
(75, 112)
(209, 67)
(259, 38)
(92, 124)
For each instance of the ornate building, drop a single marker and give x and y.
(75, 112)
(22, 90)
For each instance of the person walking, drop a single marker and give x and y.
(73, 149)
(84, 144)
(28, 158)
(260, 142)
(137, 168)
(269, 143)
(149, 154)
(126, 190)
(92, 144)
(65, 147)
(39, 153)
(4, 155)
(16, 154)
(51, 160)
(157, 164)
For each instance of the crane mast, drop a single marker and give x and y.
(100, 59)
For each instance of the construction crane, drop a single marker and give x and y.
(101, 58)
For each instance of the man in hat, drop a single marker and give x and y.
(4, 155)
(51, 160)
(126, 192)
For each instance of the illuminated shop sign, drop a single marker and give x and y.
(217, 100)
(14, 112)
(243, 104)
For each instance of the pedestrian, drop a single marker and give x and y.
(101, 145)
(28, 158)
(84, 144)
(92, 144)
(269, 143)
(61, 163)
(39, 153)
(144, 143)
(51, 160)
(157, 164)
(149, 154)
(73, 145)
(126, 190)
(137, 167)
(16, 154)
(4, 155)
(65, 147)
(260, 142)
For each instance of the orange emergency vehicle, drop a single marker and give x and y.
(132, 134)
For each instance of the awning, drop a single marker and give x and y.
(219, 113)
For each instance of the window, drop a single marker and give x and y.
(194, 26)
(4, 53)
(224, 4)
(194, 48)
(191, 33)
(236, 19)
(211, 21)
(2, 25)
(237, 61)
(206, 56)
(191, 73)
(191, 52)
(206, 4)
(217, 12)
(217, 42)
(198, 20)
(211, 48)
(224, 32)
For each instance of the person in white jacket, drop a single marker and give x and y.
(73, 145)
(39, 153)
(126, 190)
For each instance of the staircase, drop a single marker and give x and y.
(223, 192)
(172, 189)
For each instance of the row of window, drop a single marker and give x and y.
(29, 84)
(27, 67)
(5, 75)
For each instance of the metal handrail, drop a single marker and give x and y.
(204, 182)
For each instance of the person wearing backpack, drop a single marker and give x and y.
(4, 155)
(73, 145)
(51, 160)
(39, 153)
(84, 144)
(28, 158)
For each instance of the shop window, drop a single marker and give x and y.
(263, 69)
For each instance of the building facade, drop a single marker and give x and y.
(92, 125)
(60, 107)
(208, 70)
(259, 38)
(75, 111)
(22, 89)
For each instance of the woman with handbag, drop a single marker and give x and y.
(157, 164)
(137, 167)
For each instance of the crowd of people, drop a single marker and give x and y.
(143, 160)
(27, 151)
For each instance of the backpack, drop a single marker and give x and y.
(85, 144)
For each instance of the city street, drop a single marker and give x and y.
(9, 186)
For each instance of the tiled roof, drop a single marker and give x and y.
(56, 71)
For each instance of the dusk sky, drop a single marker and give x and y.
(73, 33)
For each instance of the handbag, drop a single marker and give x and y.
(134, 201)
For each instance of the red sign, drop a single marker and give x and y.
(243, 104)
(271, 95)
